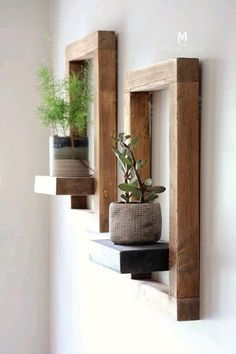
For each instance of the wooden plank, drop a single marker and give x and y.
(106, 161)
(100, 47)
(184, 190)
(137, 116)
(152, 78)
(79, 202)
(64, 185)
(85, 47)
(161, 75)
(188, 309)
(181, 76)
(157, 295)
(187, 70)
(130, 259)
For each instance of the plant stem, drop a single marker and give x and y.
(136, 172)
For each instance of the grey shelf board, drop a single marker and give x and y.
(130, 259)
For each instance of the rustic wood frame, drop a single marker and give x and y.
(100, 47)
(181, 77)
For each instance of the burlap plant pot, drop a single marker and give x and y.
(135, 223)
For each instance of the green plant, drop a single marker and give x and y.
(135, 189)
(64, 102)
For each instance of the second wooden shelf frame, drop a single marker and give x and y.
(181, 77)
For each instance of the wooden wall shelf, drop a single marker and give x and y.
(100, 50)
(182, 80)
(130, 259)
(74, 186)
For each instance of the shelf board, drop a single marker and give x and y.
(130, 259)
(74, 186)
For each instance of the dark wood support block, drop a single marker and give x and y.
(130, 259)
(75, 186)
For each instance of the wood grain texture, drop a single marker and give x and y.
(188, 309)
(181, 76)
(79, 202)
(106, 131)
(152, 78)
(184, 188)
(161, 75)
(100, 48)
(64, 185)
(84, 48)
(138, 124)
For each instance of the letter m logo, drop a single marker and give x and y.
(182, 37)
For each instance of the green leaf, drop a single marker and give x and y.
(137, 193)
(134, 181)
(127, 136)
(133, 141)
(151, 197)
(127, 187)
(157, 189)
(148, 182)
(125, 160)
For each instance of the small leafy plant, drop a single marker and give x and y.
(64, 102)
(135, 190)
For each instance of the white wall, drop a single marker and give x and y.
(95, 311)
(24, 297)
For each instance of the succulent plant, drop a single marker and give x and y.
(134, 189)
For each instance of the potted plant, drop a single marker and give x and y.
(64, 108)
(137, 218)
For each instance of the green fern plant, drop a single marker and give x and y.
(64, 102)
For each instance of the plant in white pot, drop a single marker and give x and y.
(64, 108)
(137, 219)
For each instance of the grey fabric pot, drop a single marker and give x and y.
(135, 223)
(68, 161)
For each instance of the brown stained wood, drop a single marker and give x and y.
(76, 66)
(187, 70)
(188, 309)
(161, 75)
(106, 161)
(85, 47)
(100, 48)
(79, 202)
(140, 127)
(65, 185)
(181, 76)
(184, 187)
